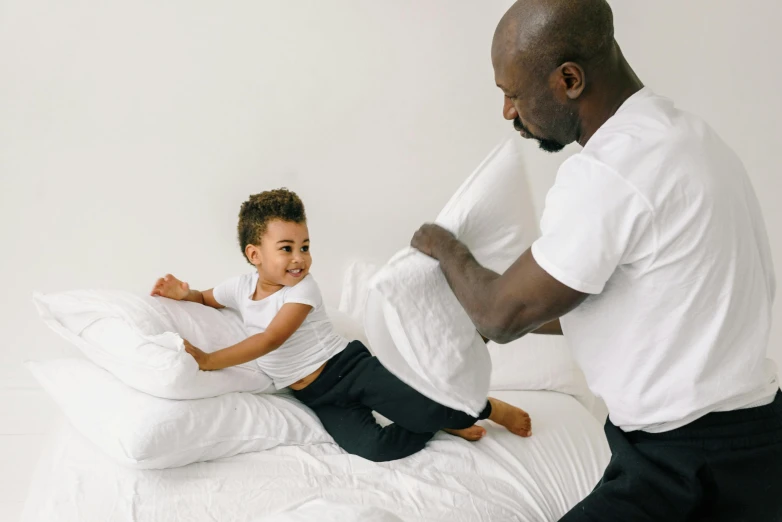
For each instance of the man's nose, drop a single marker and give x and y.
(508, 110)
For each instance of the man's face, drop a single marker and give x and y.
(530, 104)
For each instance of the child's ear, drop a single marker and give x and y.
(253, 253)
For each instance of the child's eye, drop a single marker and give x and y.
(286, 248)
(305, 249)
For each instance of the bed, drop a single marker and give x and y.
(500, 478)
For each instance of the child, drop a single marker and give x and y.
(294, 343)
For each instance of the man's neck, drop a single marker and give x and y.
(611, 88)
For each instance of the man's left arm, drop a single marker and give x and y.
(503, 307)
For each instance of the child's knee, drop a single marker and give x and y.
(380, 450)
(376, 451)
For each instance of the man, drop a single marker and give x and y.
(655, 256)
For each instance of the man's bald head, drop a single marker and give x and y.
(547, 33)
(542, 52)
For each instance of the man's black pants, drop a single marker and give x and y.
(723, 467)
(353, 384)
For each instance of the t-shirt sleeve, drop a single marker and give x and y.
(305, 292)
(594, 220)
(226, 292)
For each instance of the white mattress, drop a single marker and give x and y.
(500, 478)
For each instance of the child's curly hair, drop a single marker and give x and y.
(260, 209)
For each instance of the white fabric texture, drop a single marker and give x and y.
(657, 218)
(141, 431)
(500, 478)
(538, 362)
(355, 288)
(325, 511)
(311, 345)
(139, 340)
(347, 326)
(436, 348)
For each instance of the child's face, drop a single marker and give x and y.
(284, 252)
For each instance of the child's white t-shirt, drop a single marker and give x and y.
(312, 344)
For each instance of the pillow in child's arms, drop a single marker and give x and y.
(434, 346)
(139, 340)
(146, 432)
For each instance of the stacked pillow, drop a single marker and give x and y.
(142, 399)
(139, 340)
(146, 432)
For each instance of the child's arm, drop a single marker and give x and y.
(288, 320)
(171, 287)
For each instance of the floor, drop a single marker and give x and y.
(25, 416)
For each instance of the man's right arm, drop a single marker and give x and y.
(551, 328)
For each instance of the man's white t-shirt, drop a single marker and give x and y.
(657, 219)
(311, 345)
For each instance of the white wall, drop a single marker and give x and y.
(130, 132)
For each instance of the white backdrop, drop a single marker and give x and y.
(130, 132)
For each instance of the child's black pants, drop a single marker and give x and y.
(353, 384)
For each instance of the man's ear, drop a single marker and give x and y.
(572, 78)
(253, 253)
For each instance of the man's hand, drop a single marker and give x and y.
(201, 357)
(430, 239)
(171, 287)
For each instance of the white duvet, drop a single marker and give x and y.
(500, 478)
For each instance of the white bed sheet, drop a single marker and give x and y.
(500, 478)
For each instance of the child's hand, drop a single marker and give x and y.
(171, 287)
(201, 357)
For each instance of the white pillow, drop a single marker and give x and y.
(534, 362)
(538, 362)
(349, 328)
(146, 432)
(436, 348)
(139, 340)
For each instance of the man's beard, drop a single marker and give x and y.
(545, 144)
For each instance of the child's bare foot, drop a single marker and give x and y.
(514, 419)
(472, 433)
